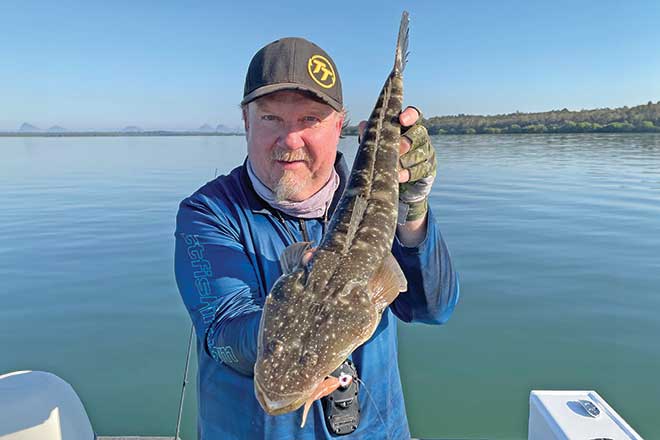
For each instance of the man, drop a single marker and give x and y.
(231, 232)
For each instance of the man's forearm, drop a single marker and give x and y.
(235, 343)
(412, 232)
(432, 282)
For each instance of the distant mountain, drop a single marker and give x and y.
(25, 127)
(224, 129)
(57, 130)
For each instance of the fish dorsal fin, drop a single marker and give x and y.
(291, 258)
(386, 283)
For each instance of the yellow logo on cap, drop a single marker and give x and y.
(321, 71)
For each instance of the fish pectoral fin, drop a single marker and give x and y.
(386, 283)
(291, 258)
(326, 387)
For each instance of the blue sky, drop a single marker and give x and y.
(178, 65)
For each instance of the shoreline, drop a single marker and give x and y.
(167, 134)
(112, 134)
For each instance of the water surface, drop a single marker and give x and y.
(556, 239)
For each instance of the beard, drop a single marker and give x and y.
(289, 185)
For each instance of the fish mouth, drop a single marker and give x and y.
(276, 403)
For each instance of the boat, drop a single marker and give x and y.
(38, 405)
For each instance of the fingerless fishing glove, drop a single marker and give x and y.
(421, 163)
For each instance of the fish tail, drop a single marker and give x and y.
(401, 55)
(374, 177)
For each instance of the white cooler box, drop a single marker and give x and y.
(575, 415)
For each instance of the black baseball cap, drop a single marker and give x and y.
(293, 64)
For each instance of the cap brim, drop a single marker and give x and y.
(265, 90)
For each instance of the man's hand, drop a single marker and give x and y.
(417, 166)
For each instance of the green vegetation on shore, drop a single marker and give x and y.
(642, 118)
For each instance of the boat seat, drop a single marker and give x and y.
(36, 405)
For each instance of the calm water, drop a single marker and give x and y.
(556, 238)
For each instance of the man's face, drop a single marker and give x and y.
(292, 142)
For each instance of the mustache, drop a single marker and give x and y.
(290, 156)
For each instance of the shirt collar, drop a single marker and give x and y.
(258, 206)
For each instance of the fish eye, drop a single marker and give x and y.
(309, 359)
(275, 347)
(350, 288)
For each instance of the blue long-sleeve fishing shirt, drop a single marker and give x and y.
(228, 243)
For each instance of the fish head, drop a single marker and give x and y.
(288, 376)
(280, 384)
(299, 345)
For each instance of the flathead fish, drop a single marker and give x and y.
(319, 311)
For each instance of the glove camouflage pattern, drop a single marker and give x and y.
(421, 164)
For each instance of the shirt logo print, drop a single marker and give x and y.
(226, 354)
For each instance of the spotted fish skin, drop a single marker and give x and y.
(317, 313)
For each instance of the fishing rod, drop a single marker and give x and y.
(185, 381)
